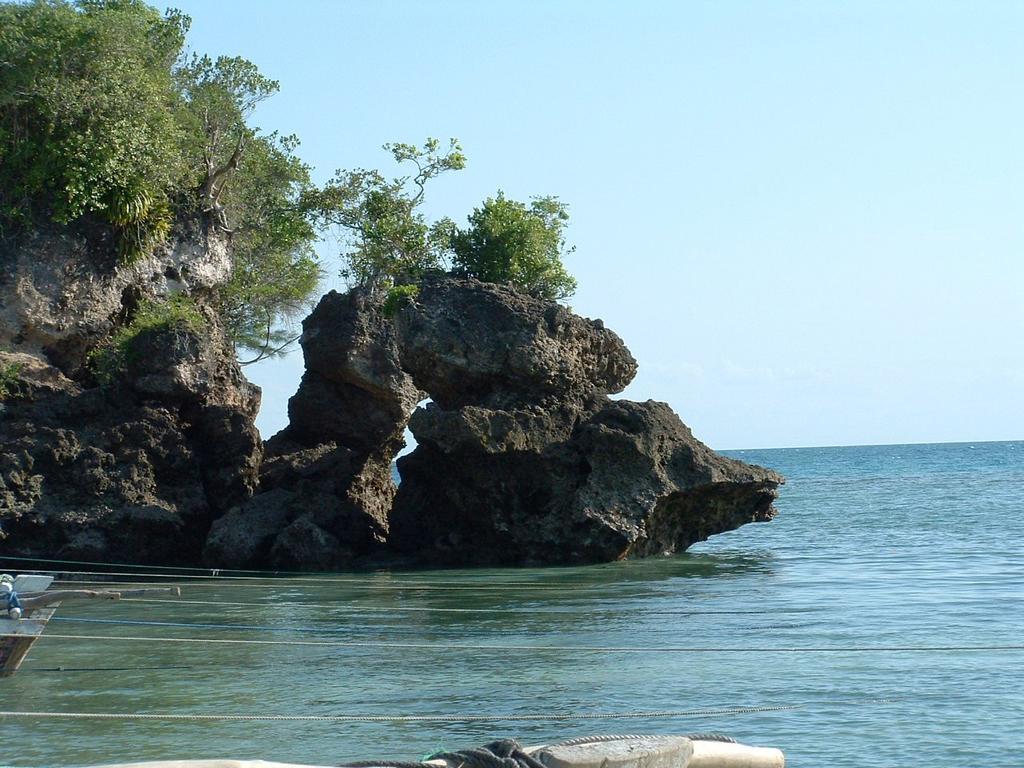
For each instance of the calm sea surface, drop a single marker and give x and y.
(879, 620)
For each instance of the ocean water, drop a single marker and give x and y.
(879, 620)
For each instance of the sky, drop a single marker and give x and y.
(805, 219)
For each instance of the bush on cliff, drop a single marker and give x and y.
(510, 242)
(104, 121)
(255, 188)
(88, 115)
(9, 379)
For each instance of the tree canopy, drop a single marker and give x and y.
(392, 244)
(89, 118)
(509, 242)
(388, 238)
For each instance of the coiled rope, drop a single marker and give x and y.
(508, 753)
(504, 753)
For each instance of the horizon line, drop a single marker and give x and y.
(873, 445)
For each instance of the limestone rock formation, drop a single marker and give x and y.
(327, 486)
(521, 458)
(472, 343)
(525, 458)
(135, 471)
(62, 292)
(615, 479)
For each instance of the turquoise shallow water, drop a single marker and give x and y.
(880, 557)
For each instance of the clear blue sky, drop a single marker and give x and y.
(806, 219)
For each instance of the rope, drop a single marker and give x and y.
(210, 572)
(430, 609)
(439, 718)
(165, 667)
(239, 627)
(222, 582)
(504, 753)
(508, 753)
(536, 648)
(316, 630)
(632, 736)
(262, 582)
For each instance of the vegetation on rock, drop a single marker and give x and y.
(103, 120)
(89, 122)
(107, 125)
(388, 237)
(111, 358)
(9, 380)
(508, 242)
(397, 296)
(392, 244)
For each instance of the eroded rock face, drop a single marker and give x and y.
(102, 474)
(472, 343)
(62, 292)
(617, 479)
(522, 457)
(320, 508)
(326, 482)
(131, 472)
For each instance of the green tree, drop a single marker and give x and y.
(276, 271)
(88, 115)
(389, 240)
(219, 96)
(510, 242)
(254, 188)
(103, 121)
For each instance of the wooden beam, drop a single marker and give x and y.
(20, 635)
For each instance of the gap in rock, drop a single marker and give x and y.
(410, 444)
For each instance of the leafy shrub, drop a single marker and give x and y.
(390, 242)
(398, 296)
(9, 380)
(510, 242)
(110, 360)
(104, 121)
(88, 114)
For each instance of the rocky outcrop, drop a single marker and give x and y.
(525, 458)
(137, 470)
(616, 479)
(470, 343)
(522, 457)
(327, 486)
